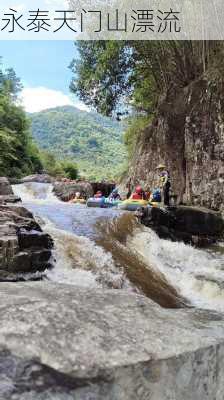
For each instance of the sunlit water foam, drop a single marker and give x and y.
(80, 261)
(197, 274)
(35, 192)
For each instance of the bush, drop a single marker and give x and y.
(70, 169)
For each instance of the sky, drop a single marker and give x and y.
(43, 69)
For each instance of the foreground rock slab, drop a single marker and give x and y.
(65, 343)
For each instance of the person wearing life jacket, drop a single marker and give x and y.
(115, 195)
(164, 183)
(156, 196)
(139, 194)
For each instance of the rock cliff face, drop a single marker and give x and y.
(188, 135)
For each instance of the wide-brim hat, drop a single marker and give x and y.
(160, 166)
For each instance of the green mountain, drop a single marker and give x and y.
(94, 142)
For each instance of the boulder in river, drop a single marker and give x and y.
(66, 343)
(5, 187)
(104, 187)
(39, 178)
(6, 192)
(67, 190)
(195, 225)
(23, 246)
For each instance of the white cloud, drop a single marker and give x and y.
(41, 98)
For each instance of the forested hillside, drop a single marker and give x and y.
(94, 142)
(18, 154)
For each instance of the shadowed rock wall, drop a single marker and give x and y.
(188, 135)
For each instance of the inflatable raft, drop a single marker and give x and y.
(102, 202)
(78, 201)
(132, 205)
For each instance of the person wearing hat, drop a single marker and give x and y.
(164, 183)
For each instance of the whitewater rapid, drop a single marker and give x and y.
(78, 260)
(108, 249)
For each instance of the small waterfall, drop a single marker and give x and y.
(197, 274)
(171, 273)
(34, 192)
(79, 261)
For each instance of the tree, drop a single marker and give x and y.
(70, 169)
(102, 72)
(18, 154)
(117, 75)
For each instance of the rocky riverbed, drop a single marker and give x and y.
(24, 248)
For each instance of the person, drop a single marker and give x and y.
(139, 194)
(128, 186)
(164, 183)
(156, 196)
(98, 195)
(115, 195)
(77, 195)
(148, 194)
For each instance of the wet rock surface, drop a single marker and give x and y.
(6, 192)
(23, 246)
(67, 190)
(105, 187)
(5, 187)
(9, 199)
(194, 225)
(62, 342)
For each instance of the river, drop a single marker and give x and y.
(108, 248)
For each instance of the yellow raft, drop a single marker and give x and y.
(133, 205)
(78, 201)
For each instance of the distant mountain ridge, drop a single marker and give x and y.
(95, 142)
